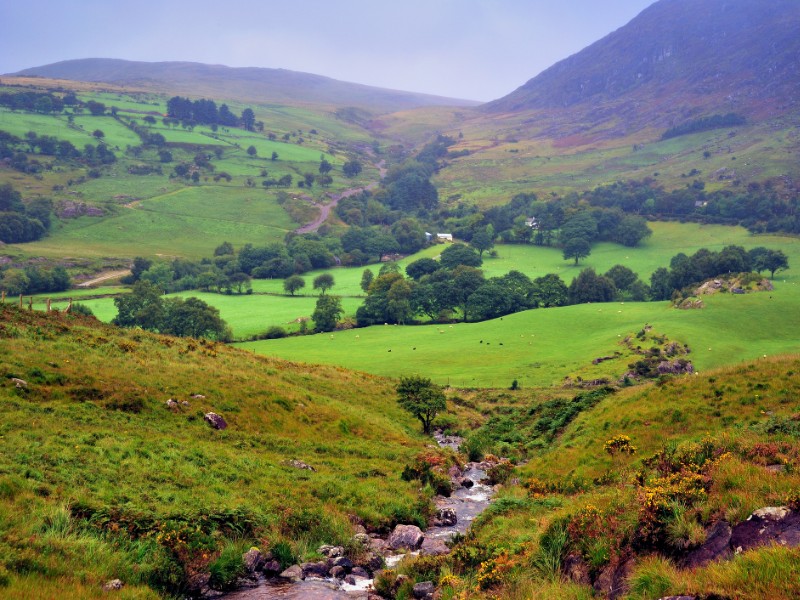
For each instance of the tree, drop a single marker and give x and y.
(583, 225)
(323, 282)
(327, 313)
(274, 156)
(98, 133)
(192, 317)
(576, 248)
(622, 276)
(248, 119)
(422, 398)
(251, 151)
(766, 259)
(325, 167)
(351, 168)
(460, 254)
(549, 291)
(483, 240)
(631, 230)
(293, 284)
(588, 286)
(143, 307)
(366, 279)
(421, 267)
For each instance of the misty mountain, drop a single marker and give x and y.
(246, 84)
(675, 59)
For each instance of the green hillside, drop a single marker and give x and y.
(99, 479)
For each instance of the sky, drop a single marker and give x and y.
(470, 49)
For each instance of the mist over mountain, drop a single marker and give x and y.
(676, 58)
(246, 84)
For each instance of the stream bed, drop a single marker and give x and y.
(466, 502)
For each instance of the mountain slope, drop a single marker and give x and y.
(739, 51)
(246, 84)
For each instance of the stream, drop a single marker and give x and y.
(466, 502)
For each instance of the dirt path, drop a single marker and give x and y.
(325, 209)
(104, 277)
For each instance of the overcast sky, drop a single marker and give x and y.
(472, 49)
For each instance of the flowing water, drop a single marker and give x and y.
(467, 502)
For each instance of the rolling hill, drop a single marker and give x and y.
(246, 84)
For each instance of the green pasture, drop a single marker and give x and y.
(541, 347)
(116, 134)
(20, 123)
(287, 151)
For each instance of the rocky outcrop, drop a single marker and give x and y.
(716, 547)
(778, 525)
(445, 517)
(433, 547)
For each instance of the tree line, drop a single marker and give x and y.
(205, 112)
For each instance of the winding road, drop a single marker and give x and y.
(325, 209)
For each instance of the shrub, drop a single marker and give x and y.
(227, 568)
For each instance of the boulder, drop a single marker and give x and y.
(361, 572)
(113, 585)
(445, 517)
(293, 573)
(406, 536)
(612, 582)
(215, 420)
(197, 585)
(315, 569)
(338, 572)
(779, 525)
(253, 561)
(378, 545)
(172, 405)
(716, 546)
(467, 483)
(454, 473)
(20, 383)
(272, 567)
(361, 539)
(424, 589)
(343, 561)
(433, 547)
(373, 562)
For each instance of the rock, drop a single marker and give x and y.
(378, 545)
(113, 585)
(293, 573)
(445, 517)
(361, 539)
(338, 572)
(433, 547)
(21, 383)
(299, 464)
(678, 598)
(716, 547)
(343, 561)
(185, 403)
(454, 473)
(778, 525)
(374, 562)
(467, 483)
(253, 561)
(197, 585)
(361, 572)
(405, 536)
(330, 551)
(576, 570)
(315, 569)
(198, 396)
(272, 567)
(776, 468)
(172, 405)
(216, 421)
(424, 589)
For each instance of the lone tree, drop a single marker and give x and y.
(323, 283)
(327, 313)
(576, 248)
(252, 151)
(422, 398)
(293, 284)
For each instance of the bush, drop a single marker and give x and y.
(275, 332)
